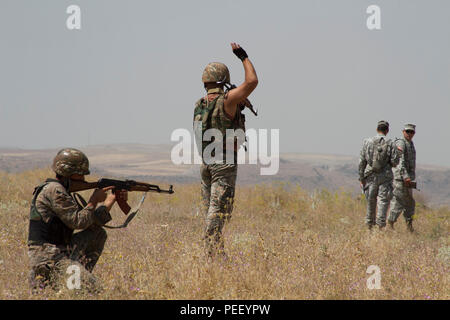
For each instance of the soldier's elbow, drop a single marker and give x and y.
(251, 85)
(254, 83)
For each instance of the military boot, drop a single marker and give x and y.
(409, 226)
(391, 224)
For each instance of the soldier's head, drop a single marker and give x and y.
(70, 163)
(383, 127)
(215, 75)
(409, 130)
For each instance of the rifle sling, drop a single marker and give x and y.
(131, 216)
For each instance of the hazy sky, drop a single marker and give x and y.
(133, 71)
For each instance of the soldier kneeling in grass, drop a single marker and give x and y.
(55, 214)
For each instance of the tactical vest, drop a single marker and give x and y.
(212, 115)
(54, 231)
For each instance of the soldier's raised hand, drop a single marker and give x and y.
(238, 51)
(240, 93)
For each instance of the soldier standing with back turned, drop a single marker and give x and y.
(219, 110)
(378, 156)
(404, 174)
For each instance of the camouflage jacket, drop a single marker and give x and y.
(364, 168)
(407, 166)
(55, 214)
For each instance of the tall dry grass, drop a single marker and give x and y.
(282, 241)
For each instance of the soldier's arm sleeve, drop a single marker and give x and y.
(65, 207)
(395, 155)
(102, 216)
(402, 161)
(362, 161)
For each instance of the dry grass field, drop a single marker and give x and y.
(282, 243)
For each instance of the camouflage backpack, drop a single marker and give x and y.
(380, 154)
(212, 115)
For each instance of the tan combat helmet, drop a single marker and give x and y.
(216, 72)
(69, 161)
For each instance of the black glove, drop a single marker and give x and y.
(240, 53)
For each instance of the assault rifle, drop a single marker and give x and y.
(244, 104)
(129, 185)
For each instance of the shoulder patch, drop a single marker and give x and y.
(400, 144)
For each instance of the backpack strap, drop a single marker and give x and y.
(79, 200)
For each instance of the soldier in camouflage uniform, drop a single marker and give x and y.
(404, 174)
(378, 156)
(219, 110)
(55, 214)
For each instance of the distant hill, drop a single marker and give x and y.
(147, 162)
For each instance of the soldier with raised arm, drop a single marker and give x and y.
(219, 110)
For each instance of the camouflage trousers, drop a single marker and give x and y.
(403, 202)
(378, 192)
(50, 262)
(218, 184)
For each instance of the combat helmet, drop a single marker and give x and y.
(70, 161)
(216, 72)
